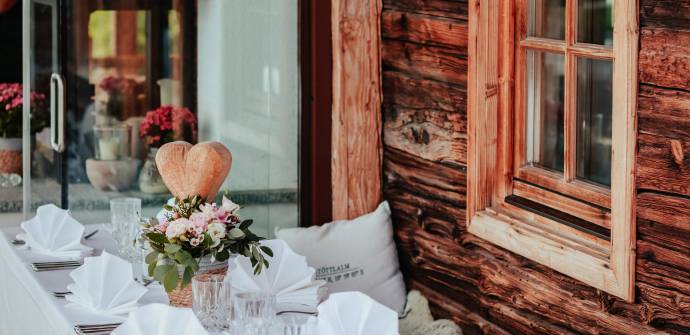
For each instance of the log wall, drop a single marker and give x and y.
(487, 289)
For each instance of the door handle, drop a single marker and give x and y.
(57, 112)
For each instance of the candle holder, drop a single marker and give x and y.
(112, 142)
(112, 168)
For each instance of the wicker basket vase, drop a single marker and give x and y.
(11, 155)
(182, 296)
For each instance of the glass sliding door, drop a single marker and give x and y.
(225, 70)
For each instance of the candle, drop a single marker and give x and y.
(109, 148)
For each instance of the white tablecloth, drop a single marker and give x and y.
(26, 305)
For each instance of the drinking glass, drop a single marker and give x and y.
(124, 228)
(294, 325)
(254, 312)
(212, 301)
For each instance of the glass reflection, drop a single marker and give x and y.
(546, 18)
(545, 75)
(594, 99)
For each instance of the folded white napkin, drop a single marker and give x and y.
(159, 319)
(105, 285)
(54, 232)
(355, 313)
(288, 277)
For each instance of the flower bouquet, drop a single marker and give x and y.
(192, 229)
(167, 124)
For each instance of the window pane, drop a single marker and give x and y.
(595, 22)
(546, 18)
(594, 120)
(545, 74)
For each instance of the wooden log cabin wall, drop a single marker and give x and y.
(487, 289)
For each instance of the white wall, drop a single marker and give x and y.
(248, 81)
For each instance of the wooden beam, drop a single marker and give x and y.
(356, 139)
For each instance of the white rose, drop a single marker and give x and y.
(178, 228)
(230, 206)
(216, 231)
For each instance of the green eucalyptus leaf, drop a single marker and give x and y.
(170, 279)
(256, 254)
(172, 248)
(157, 238)
(246, 223)
(187, 276)
(152, 267)
(161, 270)
(236, 233)
(267, 250)
(194, 264)
(152, 257)
(222, 256)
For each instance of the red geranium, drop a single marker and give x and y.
(168, 124)
(11, 102)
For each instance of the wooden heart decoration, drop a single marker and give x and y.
(190, 170)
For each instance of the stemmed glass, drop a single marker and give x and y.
(125, 217)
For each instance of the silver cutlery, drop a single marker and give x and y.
(86, 237)
(61, 294)
(96, 329)
(47, 266)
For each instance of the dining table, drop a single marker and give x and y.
(27, 303)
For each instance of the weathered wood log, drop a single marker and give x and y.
(442, 64)
(665, 57)
(356, 127)
(424, 29)
(666, 210)
(669, 13)
(656, 168)
(434, 135)
(556, 299)
(403, 90)
(663, 112)
(456, 9)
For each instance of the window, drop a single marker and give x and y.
(552, 134)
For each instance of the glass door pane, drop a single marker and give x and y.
(249, 92)
(43, 183)
(131, 89)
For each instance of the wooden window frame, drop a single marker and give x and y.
(606, 265)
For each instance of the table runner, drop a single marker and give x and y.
(26, 304)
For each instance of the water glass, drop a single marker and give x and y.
(125, 217)
(254, 311)
(294, 325)
(212, 301)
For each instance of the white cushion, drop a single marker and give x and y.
(354, 255)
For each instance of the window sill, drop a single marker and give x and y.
(563, 250)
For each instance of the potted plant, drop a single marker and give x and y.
(11, 116)
(163, 125)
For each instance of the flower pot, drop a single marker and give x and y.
(150, 180)
(11, 155)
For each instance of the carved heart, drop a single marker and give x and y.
(189, 170)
